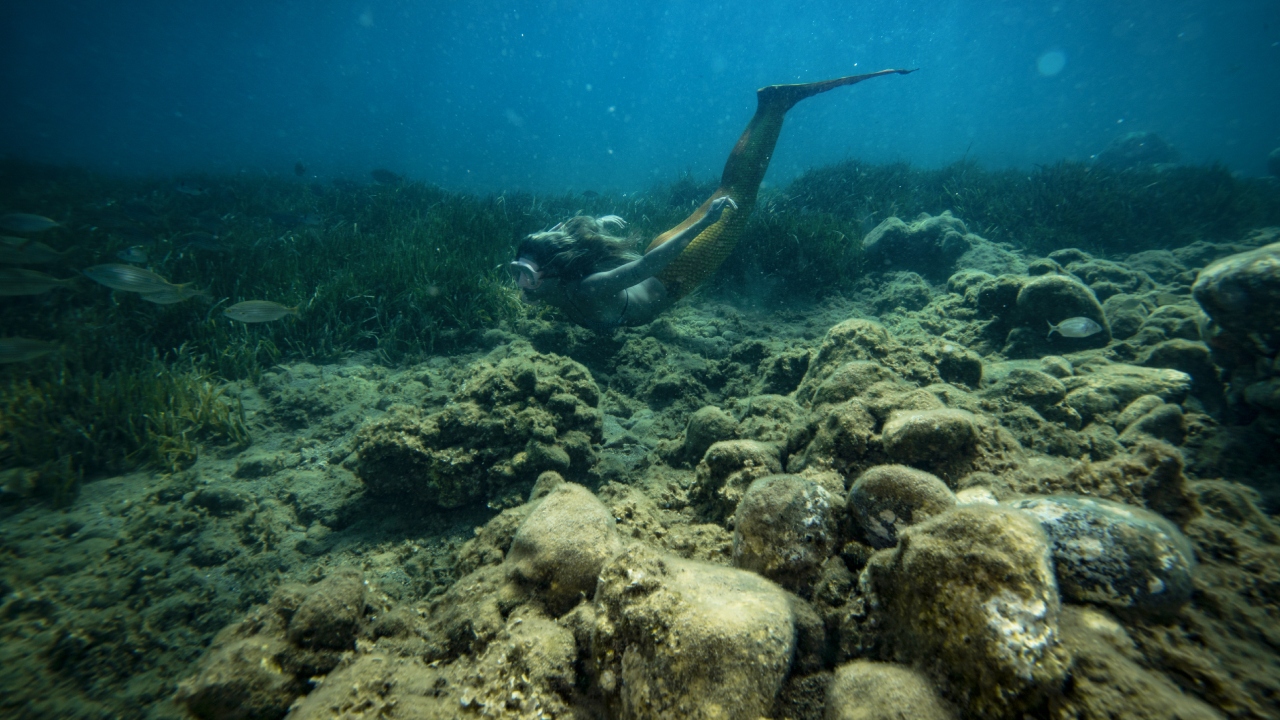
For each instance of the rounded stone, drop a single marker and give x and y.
(1050, 299)
(888, 498)
(727, 469)
(784, 529)
(922, 436)
(560, 547)
(707, 426)
(1115, 554)
(331, 614)
(867, 690)
(969, 596)
(1241, 292)
(675, 638)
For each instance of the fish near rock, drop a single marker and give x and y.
(1076, 327)
(258, 311)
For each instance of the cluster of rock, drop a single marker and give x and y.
(520, 413)
(881, 527)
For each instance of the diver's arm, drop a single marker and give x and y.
(652, 263)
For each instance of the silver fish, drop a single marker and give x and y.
(26, 223)
(127, 278)
(18, 349)
(23, 251)
(256, 311)
(133, 254)
(20, 281)
(174, 294)
(1076, 327)
(189, 189)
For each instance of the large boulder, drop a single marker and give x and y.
(1241, 292)
(886, 499)
(1114, 554)
(678, 638)
(561, 545)
(784, 529)
(970, 596)
(727, 469)
(1048, 300)
(866, 690)
(520, 414)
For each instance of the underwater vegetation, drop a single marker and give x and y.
(63, 422)
(1067, 204)
(403, 270)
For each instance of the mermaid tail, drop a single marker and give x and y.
(741, 179)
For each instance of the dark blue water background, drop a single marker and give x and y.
(609, 95)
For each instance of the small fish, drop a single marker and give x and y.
(189, 189)
(18, 349)
(1076, 327)
(383, 176)
(22, 251)
(20, 281)
(134, 254)
(175, 294)
(127, 278)
(590, 194)
(256, 311)
(27, 223)
(299, 169)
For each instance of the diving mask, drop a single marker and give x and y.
(526, 274)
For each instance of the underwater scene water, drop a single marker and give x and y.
(591, 360)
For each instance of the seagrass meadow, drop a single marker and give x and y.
(401, 271)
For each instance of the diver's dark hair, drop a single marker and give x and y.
(576, 248)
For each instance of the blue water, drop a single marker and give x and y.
(554, 96)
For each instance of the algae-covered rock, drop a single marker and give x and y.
(850, 380)
(241, 679)
(1242, 292)
(1115, 554)
(1126, 314)
(678, 638)
(1112, 678)
(970, 596)
(707, 426)
(727, 470)
(1050, 299)
(928, 438)
(1099, 388)
(867, 690)
(858, 339)
(257, 667)
(1163, 422)
(784, 528)
(840, 441)
(935, 247)
(332, 613)
(561, 545)
(888, 498)
(520, 414)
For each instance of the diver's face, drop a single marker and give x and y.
(527, 276)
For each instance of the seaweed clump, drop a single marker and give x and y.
(65, 423)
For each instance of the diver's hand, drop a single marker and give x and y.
(717, 209)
